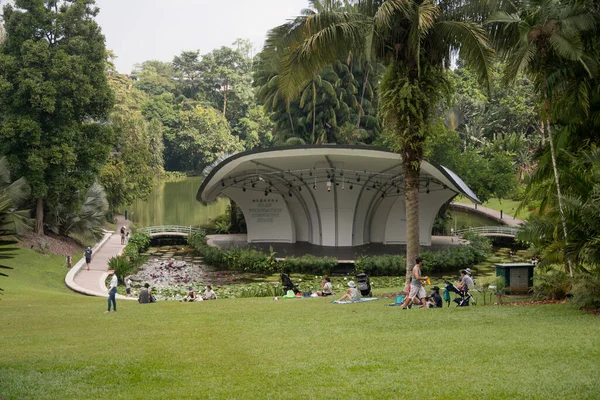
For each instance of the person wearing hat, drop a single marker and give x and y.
(352, 294)
(435, 300)
(466, 282)
(191, 295)
(112, 291)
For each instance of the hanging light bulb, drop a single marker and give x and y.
(329, 186)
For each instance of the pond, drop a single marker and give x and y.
(174, 203)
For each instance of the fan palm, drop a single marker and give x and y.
(415, 41)
(16, 216)
(543, 38)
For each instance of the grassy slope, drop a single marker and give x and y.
(57, 344)
(508, 206)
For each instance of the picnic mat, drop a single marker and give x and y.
(361, 300)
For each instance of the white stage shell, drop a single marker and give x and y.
(329, 195)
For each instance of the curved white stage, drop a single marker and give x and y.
(328, 195)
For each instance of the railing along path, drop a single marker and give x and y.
(169, 229)
(490, 230)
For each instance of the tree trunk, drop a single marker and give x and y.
(225, 100)
(39, 216)
(291, 122)
(234, 222)
(314, 112)
(411, 193)
(362, 96)
(556, 181)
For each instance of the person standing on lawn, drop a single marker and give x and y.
(416, 286)
(112, 291)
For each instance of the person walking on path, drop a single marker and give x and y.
(112, 291)
(123, 234)
(88, 257)
(416, 286)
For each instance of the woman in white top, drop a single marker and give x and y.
(352, 294)
(209, 294)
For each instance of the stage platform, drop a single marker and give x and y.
(343, 254)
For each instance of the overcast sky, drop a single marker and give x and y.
(140, 30)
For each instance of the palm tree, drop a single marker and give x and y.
(543, 38)
(581, 203)
(16, 215)
(415, 40)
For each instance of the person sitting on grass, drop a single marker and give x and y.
(145, 295)
(466, 282)
(191, 295)
(435, 300)
(327, 288)
(352, 294)
(209, 293)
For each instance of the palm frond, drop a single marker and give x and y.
(474, 46)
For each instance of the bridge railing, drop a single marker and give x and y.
(170, 228)
(482, 230)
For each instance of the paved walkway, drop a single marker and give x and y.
(502, 218)
(93, 282)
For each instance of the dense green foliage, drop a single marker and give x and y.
(452, 259)
(309, 264)
(138, 243)
(53, 97)
(137, 157)
(122, 266)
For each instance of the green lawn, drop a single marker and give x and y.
(57, 344)
(507, 206)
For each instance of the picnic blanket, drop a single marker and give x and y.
(361, 300)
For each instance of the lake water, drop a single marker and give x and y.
(174, 203)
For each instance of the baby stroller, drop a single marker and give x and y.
(287, 283)
(364, 284)
(463, 299)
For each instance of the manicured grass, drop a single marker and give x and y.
(57, 344)
(507, 206)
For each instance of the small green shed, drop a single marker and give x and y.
(518, 277)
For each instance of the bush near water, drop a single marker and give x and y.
(252, 260)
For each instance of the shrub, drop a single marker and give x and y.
(121, 265)
(551, 283)
(381, 265)
(586, 290)
(454, 258)
(140, 240)
(196, 240)
(310, 264)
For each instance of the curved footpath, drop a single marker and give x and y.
(503, 218)
(93, 282)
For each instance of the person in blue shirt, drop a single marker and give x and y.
(88, 257)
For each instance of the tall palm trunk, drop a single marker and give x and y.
(411, 193)
(39, 216)
(314, 116)
(563, 219)
(362, 97)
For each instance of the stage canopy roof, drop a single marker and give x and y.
(328, 194)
